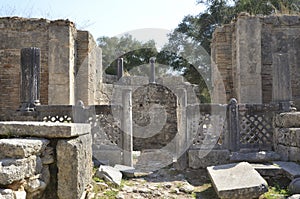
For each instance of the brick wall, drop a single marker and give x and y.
(279, 35)
(60, 44)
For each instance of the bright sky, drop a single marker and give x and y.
(106, 17)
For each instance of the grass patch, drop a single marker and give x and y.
(110, 194)
(275, 192)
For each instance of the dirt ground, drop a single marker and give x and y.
(164, 183)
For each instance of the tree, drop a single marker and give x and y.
(134, 52)
(200, 27)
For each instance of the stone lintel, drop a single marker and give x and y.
(43, 129)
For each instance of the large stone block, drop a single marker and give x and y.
(288, 136)
(17, 169)
(288, 120)
(237, 181)
(283, 151)
(6, 194)
(205, 158)
(74, 163)
(43, 129)
(22, 148)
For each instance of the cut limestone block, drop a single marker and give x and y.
(125, 170)
(74, 164)
(110, 174)
(268, 169)
(17, 169)
(261, 156)
(289, 119)
(43, 129)
(22, 148)
(292, 169)
(238, 180)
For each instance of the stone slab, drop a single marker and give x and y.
(22, 148)
(43, 129)
(291, 168)
(125, 170)
(110, 174)
(267, 169)
(261, 156)
(288, 120)
(237, 180)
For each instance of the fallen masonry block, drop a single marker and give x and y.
(125, 170)
(292, 169)
(237, 180)
(110, 174)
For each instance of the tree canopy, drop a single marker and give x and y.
(200, 27)
(188, 47)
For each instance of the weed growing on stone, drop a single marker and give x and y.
(275, 192)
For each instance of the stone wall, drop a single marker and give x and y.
(287, 136)
(258, 58)
(44, 160)
(64, 51)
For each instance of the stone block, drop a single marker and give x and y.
(17, 169)
(20, 194)
(294, 154)
(294, 186)
(125, 170)
(43, 129)
(295, 196)
(268, 169)
(110, 174)
(237, 181)
(292, 169)
(261, 156)
(283, 151)
(22, 148)
(288, 120)
(74, 164)
(287, 136)
(204, 158)
(6, 194)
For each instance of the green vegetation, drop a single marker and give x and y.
(275, 192)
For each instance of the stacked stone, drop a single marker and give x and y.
(24, 167)
(287, 136)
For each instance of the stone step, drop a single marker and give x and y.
(292, 169)
(261, 156)
(268, 169)
(237, 180)
(288, 120)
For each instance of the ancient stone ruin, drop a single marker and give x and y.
(60, 110)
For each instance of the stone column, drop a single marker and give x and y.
(183, 141)
(120, 69)
(152, 70)
(30, 78)
(233, 126)
(248, 60)
(127, 127)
